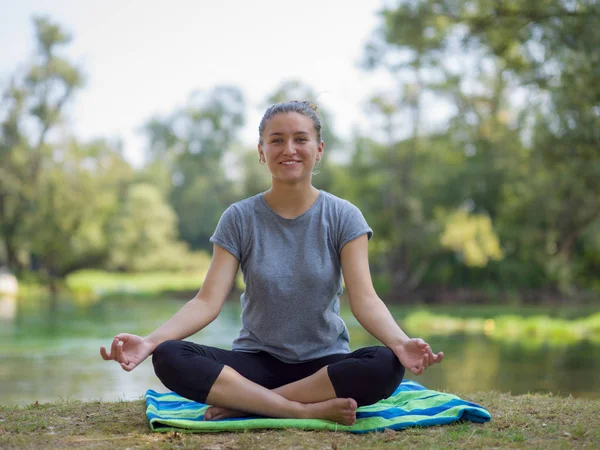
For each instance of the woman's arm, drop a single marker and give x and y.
(130, 350)
(207, 303)
(373, 314)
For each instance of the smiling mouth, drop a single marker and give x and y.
(288, 163)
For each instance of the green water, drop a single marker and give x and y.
(52, 353)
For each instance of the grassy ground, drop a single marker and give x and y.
(530, 421)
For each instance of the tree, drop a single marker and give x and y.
(552, 52)
(192, 143)
(143, 233)
(522, 81)
(32, 108)
(77, 195)
(407, 44)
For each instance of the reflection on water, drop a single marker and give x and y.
(46, 355)
(8, 307)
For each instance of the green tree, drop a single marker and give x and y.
(521, 80)
(77, 195)
(550, 48)
(408, 45)
(255, 177)
(192, 143)
(143, 233)
(32, 109)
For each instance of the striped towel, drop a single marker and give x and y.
(410, 405)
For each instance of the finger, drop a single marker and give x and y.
(430, 353)
(124, 357)
(119, 352)
(431, 357)
(439, 357)
(120, 355)
(128, 367)
(113, 349)
(426, 362)
(122, 337)
(417, 370)
(105, 356)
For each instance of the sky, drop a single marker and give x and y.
(143, 58)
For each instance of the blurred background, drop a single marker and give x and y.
(467, 132)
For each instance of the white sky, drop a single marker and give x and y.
(145, 57)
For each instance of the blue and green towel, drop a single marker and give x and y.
(410, 405)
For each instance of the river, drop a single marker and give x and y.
(48, 354)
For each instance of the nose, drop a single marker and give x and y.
(289, 147)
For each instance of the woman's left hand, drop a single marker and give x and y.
(416, 355)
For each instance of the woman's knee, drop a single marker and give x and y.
(385, 372)
(390, 372)
(184, 368)
(372, 374)
(164, 357)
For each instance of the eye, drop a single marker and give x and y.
(301, 140)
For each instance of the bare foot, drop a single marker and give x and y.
(340, 410)
(218, 412)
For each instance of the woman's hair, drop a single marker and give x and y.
(307, 109)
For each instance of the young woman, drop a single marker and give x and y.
(292, 357)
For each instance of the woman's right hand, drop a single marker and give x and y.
(128, 350)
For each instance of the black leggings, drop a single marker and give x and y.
(367, 375)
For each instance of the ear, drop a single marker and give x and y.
(260, 151)
(320, 149)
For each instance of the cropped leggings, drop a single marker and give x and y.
(367, 375)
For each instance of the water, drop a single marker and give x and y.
(48, 354)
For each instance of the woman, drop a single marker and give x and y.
(293, 243)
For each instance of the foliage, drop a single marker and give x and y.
(522, 130)
(472, 237)
(143, 233)
(102, 283)
(31, 110)
(534, 331)
(480, 169)
(191, 144)
(64, 204)
(67, 229)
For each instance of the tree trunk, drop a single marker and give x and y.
(12, 256)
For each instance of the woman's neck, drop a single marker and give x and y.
(291, 200)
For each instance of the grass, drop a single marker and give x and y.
(528, 421)
(94, 284)
(535, 330)
(103, 283)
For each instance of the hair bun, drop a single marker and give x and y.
(311, 105)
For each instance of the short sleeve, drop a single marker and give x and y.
(352, 224)
(228, 233)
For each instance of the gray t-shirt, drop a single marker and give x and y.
(292, 272)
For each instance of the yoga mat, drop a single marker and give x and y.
(410, 405)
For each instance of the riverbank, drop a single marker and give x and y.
(93, 284)
(527, 421)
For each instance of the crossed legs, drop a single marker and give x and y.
(238, 383)
(235, 395)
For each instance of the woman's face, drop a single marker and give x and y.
(290, 147)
